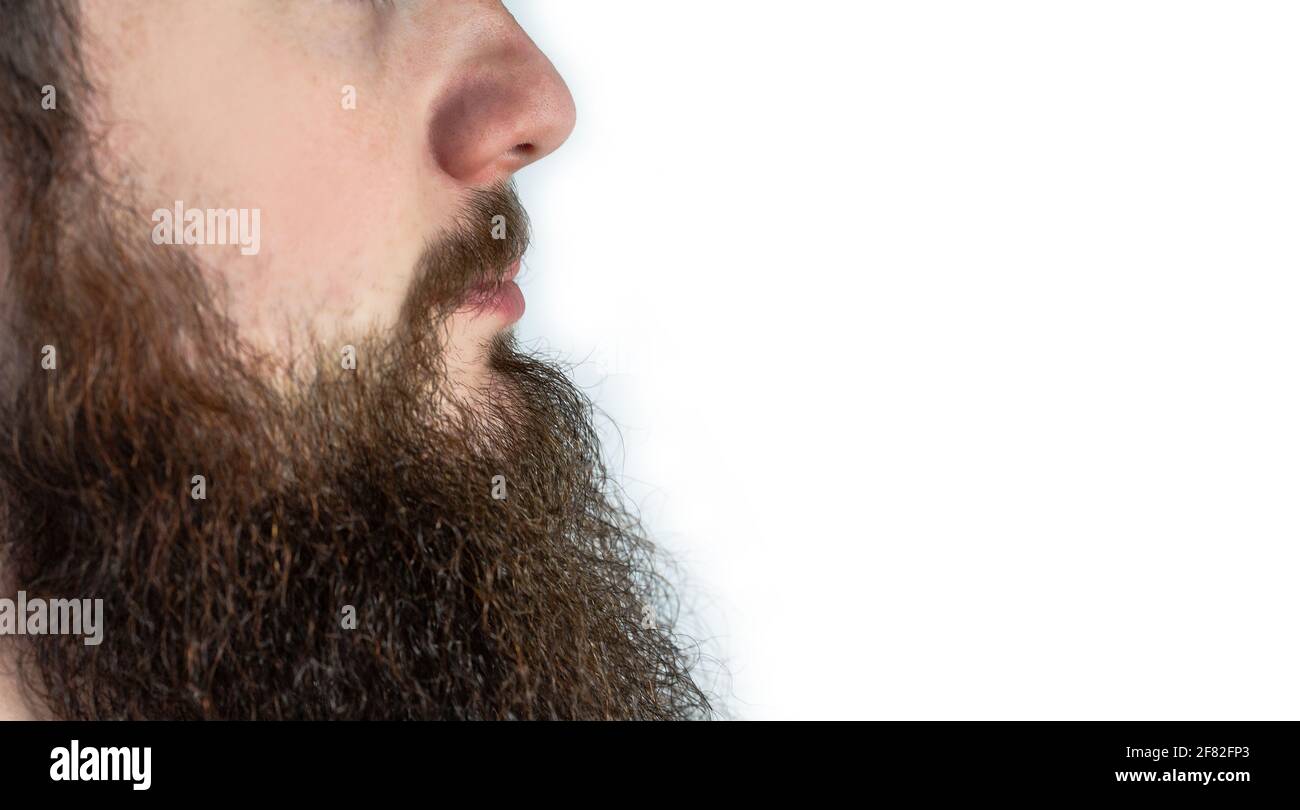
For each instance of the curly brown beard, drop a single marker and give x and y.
(325, 488)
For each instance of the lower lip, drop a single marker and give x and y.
(506, 301)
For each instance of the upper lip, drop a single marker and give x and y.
(489, 286)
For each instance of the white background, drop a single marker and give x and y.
(954, 345)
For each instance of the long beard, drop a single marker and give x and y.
(367, 545)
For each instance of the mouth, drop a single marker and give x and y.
(503, 301)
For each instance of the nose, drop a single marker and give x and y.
(508, 109)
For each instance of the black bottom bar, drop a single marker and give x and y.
(1228, 760)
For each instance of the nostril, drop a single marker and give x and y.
(524, 149)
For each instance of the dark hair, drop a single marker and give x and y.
(37, 49)
(38, 146)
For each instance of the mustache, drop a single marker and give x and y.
(487, 236)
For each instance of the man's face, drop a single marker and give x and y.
(357, 128)
(277, 528)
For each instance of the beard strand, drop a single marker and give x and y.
(489, 565)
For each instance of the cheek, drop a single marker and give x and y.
(335, 250)
(338, 239)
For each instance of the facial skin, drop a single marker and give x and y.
(241, 104)
(448, 489)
